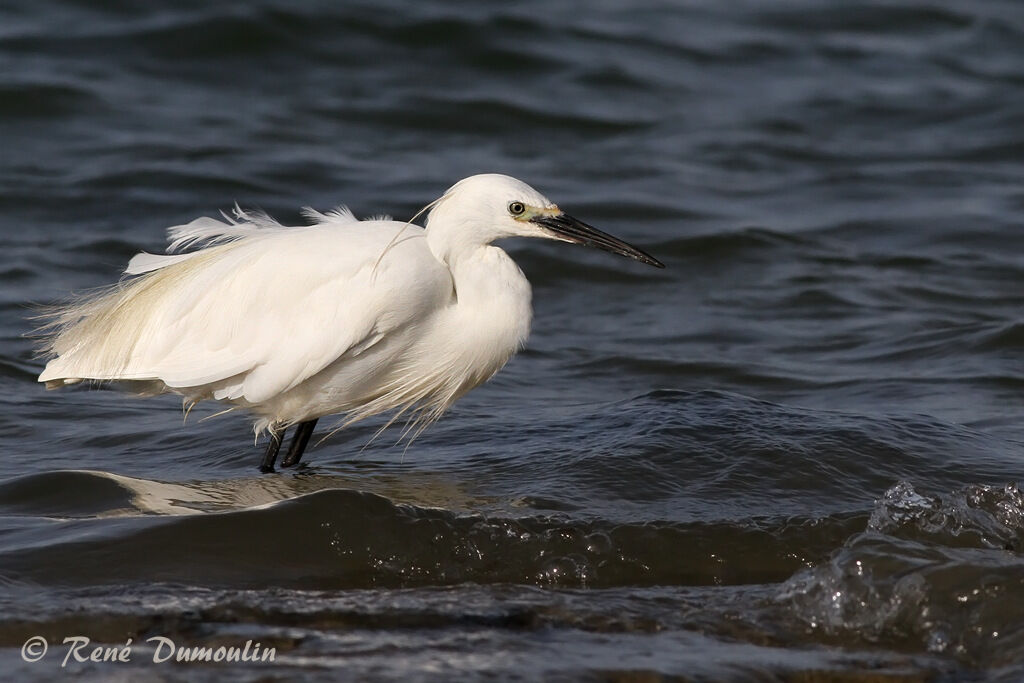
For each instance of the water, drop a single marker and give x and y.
(791, 455)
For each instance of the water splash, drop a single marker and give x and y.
(936, 573)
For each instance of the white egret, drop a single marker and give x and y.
(340, 316)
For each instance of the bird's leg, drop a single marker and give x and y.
(299, 441)
(270, 455)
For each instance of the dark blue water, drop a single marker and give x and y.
(791, 455)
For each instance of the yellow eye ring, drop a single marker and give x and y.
(516, 208)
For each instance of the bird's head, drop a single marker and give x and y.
(493, 206)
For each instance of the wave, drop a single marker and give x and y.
(350, 539)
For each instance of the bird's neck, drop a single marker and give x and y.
(491, 292)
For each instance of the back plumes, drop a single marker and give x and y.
(95, 335)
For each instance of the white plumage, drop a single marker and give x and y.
(341, 316)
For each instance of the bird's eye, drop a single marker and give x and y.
(516, 208)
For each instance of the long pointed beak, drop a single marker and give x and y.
(564, 227)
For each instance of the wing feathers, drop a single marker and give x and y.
(256, 312)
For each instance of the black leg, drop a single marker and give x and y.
(270, 455)
(299, 441)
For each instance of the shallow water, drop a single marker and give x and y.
(791, 455)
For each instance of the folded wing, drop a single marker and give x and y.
(259, 311)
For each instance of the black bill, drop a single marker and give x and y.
(568, 228)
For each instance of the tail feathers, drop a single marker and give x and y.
(58, 383)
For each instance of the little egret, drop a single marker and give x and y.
(340, 316)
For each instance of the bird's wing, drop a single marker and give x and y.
(254, 317)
